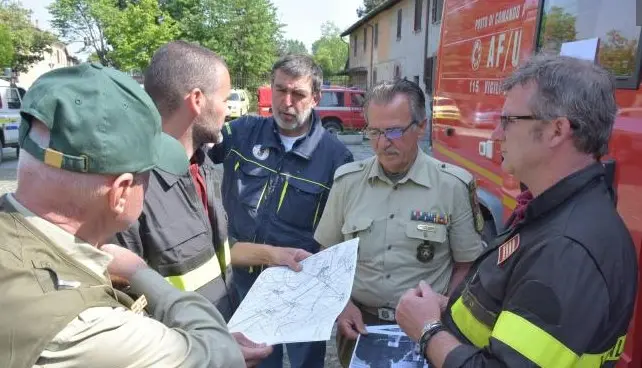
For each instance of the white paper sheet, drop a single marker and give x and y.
(285, 306)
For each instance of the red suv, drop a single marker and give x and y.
(340, 107)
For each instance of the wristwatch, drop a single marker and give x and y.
(430, 329)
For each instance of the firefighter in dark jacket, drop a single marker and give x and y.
(277, 176)
(557, 288)
(182, 231)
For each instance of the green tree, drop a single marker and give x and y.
(617, 53)
(120, 33)
(245, 33)
(29, 44)
(558, 27)
(136, 32)
(292, 47)
(367, 7)
(6, 47)
(330, 51)
(84, 21)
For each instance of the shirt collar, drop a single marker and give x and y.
(199, 158)
(85, 253)
(563, 190)
(305, 146)
(418, 171)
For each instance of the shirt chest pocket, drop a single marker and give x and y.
(361, 227)
(177, 242)
(427, 239)
(300, 204)
(251, 183)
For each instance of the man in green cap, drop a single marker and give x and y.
(89, 137)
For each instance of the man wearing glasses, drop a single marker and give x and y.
(416, 217)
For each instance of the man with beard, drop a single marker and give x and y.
(182, 231)
(277, 177)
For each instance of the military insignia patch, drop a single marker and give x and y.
(507, 249)
(425, 252)
(260, 152)
(478, 218)
(432, 217)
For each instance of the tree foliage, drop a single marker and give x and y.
(28, 44)
(6, 47)
(136, 32)
(330, 51)
(245, 33)
(292, 47)
(83, 21)
(558, 27)
(617, 53)
(367, 6)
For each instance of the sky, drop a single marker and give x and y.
(302, 22)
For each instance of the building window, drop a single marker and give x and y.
(397, 74)
(354, 45)
(374, 76)
(399, 24)
(416, 79)
(376, 34)
(365, 38)
(418, 13)
(437, 9)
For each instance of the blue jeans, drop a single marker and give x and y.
(302, 354)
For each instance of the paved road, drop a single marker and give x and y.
(8, 170)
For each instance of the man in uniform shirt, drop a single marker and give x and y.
(557, 288)
(415, 216)
(88, 138)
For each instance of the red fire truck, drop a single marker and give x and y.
(482, 41)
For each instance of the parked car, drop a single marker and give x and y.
(10, 104)
(238, 104)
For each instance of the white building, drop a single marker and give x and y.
(58, 57)
(397, 39)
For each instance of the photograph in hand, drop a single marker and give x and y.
(386, 347)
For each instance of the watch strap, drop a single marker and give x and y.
(429, 331)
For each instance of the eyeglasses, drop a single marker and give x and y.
(389, 133)
(507, 119)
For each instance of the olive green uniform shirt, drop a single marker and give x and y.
(408, 231)
(186, 331)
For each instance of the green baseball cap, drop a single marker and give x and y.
(101, 121)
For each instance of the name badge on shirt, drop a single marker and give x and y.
(139, 305)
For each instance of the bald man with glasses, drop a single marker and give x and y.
(417, 218)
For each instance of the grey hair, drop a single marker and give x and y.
(297, 66)
(385, 92)
(176, 69)
(576, 89)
